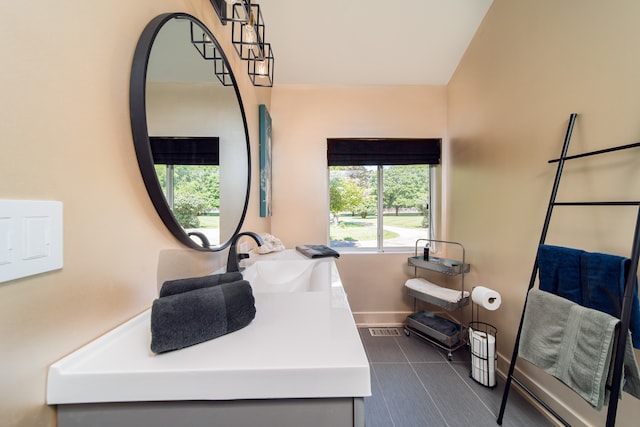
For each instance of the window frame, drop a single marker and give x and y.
(381, 152)
(380, 246)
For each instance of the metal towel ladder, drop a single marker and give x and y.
(630, 281)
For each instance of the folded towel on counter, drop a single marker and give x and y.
(178, 286)
(574, 344)
(317, 251)
(189, 318)
(591, 279)
(426, 287)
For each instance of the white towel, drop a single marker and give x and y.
(426, 287)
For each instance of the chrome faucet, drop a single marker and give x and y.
(235, 257)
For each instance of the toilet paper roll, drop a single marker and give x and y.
(486, 298)
(483, 357)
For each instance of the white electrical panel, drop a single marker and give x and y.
(30, 238)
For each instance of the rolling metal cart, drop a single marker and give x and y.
(443, 332)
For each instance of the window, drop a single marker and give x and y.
(188, 171)
(380, 192)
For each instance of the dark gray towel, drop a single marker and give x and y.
(189, 318)
(172, 287)
(317, 251)
(437, 323)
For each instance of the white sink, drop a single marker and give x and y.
(289, 275)
(303, 343)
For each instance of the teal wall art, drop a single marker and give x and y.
(265, 161)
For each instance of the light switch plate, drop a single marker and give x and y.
(30, 238)
(5, 240)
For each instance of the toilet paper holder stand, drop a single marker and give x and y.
(484, 358)
(483, 346)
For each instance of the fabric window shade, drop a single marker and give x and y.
(187, 150)
(383, 151)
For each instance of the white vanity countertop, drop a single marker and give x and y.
(300, 345)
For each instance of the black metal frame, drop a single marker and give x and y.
(209, 51)
(139, 129)
(221, 69)
(220, 6)
(264, 79)
(489, 330)
(247, 49)
(630, 282)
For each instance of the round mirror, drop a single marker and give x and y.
(190, 131)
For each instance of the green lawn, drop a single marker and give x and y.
(209, 221)
(354, 228)
(403, 220)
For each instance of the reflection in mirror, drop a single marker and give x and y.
(194, 158)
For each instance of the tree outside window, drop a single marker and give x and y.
(195, 196)
(362, 219)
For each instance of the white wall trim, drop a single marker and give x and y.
(380, 318)
(553, 400)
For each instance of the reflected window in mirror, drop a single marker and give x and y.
(190, 132)
(189, 174)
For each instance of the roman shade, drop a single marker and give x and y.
(383, 151)
(185, 150)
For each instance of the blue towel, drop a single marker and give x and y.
(559, 270)
(591, 279)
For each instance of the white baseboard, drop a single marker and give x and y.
(380, 318)
(550, 398)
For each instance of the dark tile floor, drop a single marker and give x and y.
(414, 385)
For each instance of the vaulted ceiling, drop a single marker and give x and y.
(369, 42)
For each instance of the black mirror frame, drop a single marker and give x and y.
(137, 105)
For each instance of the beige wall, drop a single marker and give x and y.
(303, 118)
(65, 135)
(531, 64)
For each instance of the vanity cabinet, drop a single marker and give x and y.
(299, 363)
(236, 413)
